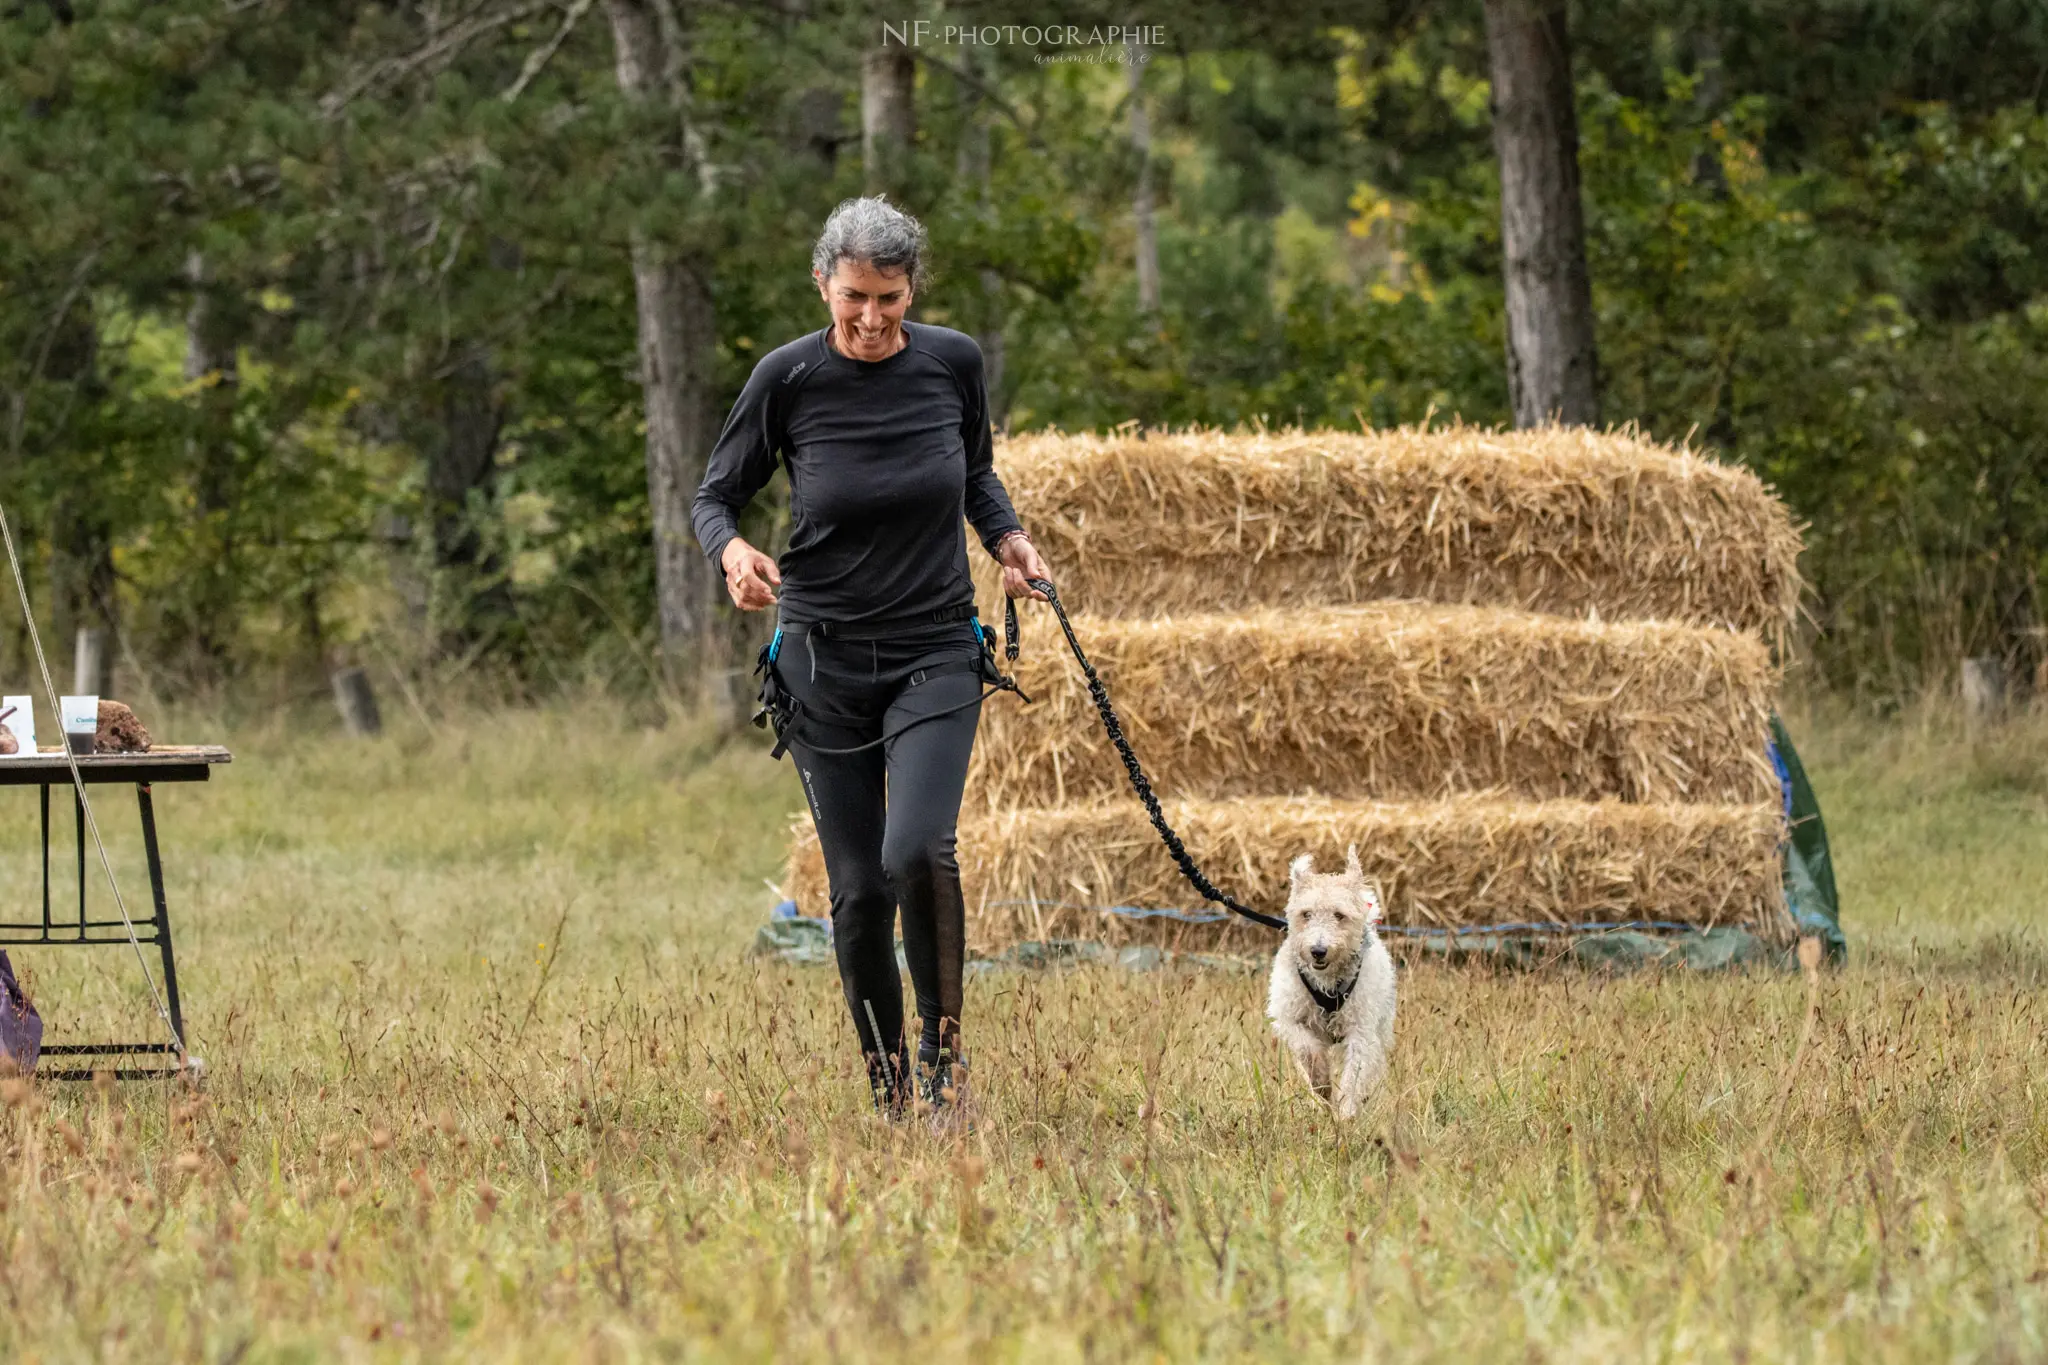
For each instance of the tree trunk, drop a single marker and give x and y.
(357, 702)
(994, 346)
(1707, 97)
(81, 527)
(676, 336)
(975, 168)
(1552, 365)
(678, 330)
(1141, 197)
(815, 126)
(213, 329)
(92, 666)
(462, 458)
(211, 336)
(888, 118)
(82, 543)
(461, 455)
(1984, 687)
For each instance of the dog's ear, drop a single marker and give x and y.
(1369, 898)
(1300, 868)
(1351, 867)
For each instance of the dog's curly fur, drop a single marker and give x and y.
(1331, 941)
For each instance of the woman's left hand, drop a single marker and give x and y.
(1022, 562)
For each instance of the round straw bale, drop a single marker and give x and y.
(1392, 700)
(1561, 519)
(1461, 862)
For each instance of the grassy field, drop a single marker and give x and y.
(491, 1078)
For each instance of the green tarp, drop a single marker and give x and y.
(1809, 871)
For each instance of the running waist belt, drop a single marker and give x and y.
(882, 629)
(784, 711)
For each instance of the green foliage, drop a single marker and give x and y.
(1814, 243)
(1869, 341)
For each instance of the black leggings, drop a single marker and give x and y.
(886, 818)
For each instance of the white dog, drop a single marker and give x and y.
(1333, 982)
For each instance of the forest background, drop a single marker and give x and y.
(321, 325)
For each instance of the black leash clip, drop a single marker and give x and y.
(1013, 640)
(778, 707)
(1012, 643)
(991, 671)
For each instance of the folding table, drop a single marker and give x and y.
(166, 763)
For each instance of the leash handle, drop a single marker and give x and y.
(1141, 784)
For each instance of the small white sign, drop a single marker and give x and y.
(81, 720)
(21, 724)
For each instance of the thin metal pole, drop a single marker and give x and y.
(79, 804)
(45, 789)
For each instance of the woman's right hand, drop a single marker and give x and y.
(750, 576)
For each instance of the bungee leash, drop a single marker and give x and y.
(1139, 782)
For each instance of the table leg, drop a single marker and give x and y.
(163, 913)
(45, 790)
(78, 805)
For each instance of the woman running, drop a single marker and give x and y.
(883, 425)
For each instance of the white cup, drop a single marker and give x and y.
(81, 721)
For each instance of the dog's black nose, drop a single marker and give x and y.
(1319, 954)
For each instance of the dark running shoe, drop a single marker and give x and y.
(942, 1089)
(889, 1083)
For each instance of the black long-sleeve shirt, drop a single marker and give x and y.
(885, 457)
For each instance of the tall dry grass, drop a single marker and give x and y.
(492, 1080)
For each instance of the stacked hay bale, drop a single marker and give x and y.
(1529, 674)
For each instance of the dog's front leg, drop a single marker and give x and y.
(1313, 1059)
(1365, 1066)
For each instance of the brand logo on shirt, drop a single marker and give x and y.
(796, 370)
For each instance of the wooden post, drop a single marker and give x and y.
(1983, 687)
(89, 672)
(357, 701)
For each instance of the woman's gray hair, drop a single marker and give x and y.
(872, 232)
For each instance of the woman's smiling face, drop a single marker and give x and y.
(867, 308)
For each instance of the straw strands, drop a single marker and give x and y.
(1561, 520)
(1406, 700)
(1467, 860)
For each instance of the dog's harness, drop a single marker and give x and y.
(1329, 1002)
